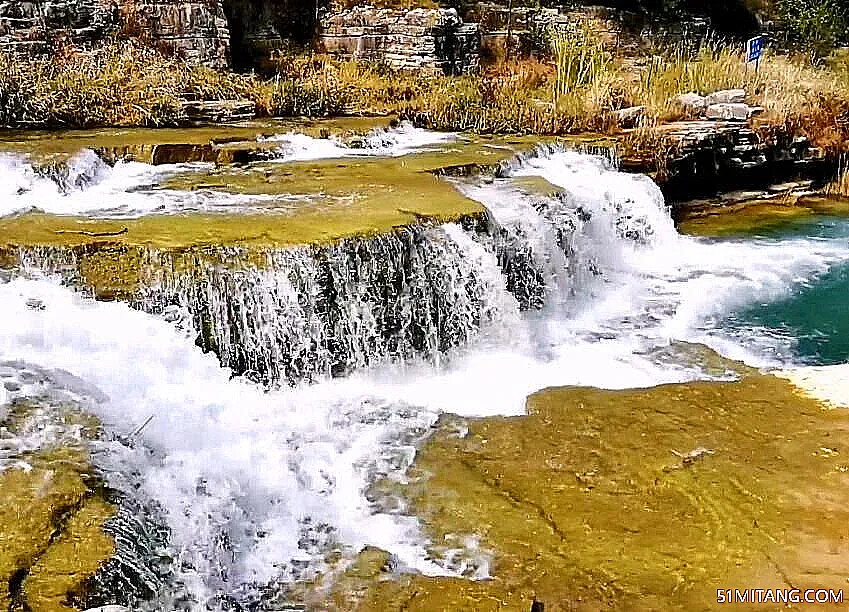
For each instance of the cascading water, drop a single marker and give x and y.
(314, 312)
(392, 142)
(84, 184)
(308, 313)
(258, 487)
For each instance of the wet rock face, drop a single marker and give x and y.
(648, 499)
(52, 515)
(313, 312)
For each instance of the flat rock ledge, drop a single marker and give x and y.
(202, 112)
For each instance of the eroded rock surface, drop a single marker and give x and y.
(36, 25)
(194, 29)
(641, 499)
(52, 513)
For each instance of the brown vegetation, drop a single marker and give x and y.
(578, 90)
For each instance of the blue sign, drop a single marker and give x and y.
(755, 48)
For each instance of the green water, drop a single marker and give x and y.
(812, 319)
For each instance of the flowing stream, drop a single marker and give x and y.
(359, 347)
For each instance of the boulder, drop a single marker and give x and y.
(726, 96)
(631, 116)
(691, 102)
(728, 112)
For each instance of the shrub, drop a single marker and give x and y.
(814, 27)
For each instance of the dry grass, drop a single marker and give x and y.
(120, 84)
(797, 98)
(839, 186)
(579, 90)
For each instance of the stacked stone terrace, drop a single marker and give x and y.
(194, 29)
(426, 40)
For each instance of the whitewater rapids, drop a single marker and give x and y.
(258, 485)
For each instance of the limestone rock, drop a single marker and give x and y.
(728, 112)
(427, 40)
(37, 26)
(726, 96)
(691, 102)
(194, 29)
(631, 116)
(219, 111)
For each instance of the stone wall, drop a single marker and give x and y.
(428, 40)
(527, 27)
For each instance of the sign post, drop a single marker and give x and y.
(754, 51)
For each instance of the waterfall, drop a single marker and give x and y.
(247, 489)
(308, 313)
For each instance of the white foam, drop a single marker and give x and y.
(653, 283)
(229, 460)
(829, 384)
(249, 478)
(91, 187)
(381, 142)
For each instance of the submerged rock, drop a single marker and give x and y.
(585, 504)
(51, 531)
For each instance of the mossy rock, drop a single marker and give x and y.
(140, 144)
(51, 516)
(51, 532)
(753, 216)
(325, 201)
(645, 499)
